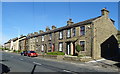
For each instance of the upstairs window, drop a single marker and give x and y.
(82, 44)
(60, 46)
(68, 33)
(42, 38)
(74, 31)
(61, 35)
(82, 30)
(36, 40)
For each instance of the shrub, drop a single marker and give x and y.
(78, 48)
(55, 53)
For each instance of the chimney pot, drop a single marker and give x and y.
(69, 22)
(41, 31)
(53, 27)
(105, 12)
(47, 28)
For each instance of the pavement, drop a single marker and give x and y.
(18, 63)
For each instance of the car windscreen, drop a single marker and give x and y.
(32, 51)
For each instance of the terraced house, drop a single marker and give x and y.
(97, 37)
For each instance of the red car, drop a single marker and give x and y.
(32, 54)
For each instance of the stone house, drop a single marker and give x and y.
(13, 44)
(31, 41)
(7, 44)
(97, 37)
(22, 43)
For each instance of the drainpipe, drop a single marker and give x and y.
(92, 37)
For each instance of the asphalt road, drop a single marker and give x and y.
(18, 63)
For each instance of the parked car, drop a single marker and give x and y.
(24, 53)
(32, 54)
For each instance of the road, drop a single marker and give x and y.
(18, 63)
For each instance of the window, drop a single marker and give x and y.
(50, 35)
(61, 35)
(50, 47)
(82, 30)
(74, 31)
(68, 33)
(82, 44)
(42, 48)
(36, 40)
(60, 46)
(42, 38)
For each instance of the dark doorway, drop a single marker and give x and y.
(74, 49)
(45, 47)
(109, 48)
(68, 50)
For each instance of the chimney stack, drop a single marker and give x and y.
(41, 31)
(105, 12)
(69, 22)
(47, 28)
(53, 27)
(31, 34)
(35, 33)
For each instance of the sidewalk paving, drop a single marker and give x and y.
(106, 63)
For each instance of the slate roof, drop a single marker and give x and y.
(14, 39)
(68, 26)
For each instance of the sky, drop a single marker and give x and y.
(28, 17)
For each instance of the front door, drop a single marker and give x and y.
(74, 49)
(68, 50)
(53, 48)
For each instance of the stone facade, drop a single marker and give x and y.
(93, 35)
(7, 44)
(22, 43)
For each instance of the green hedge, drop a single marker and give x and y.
(55, 53)
(5, 48)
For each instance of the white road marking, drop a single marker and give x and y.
(21, 59)
(37, 63)
(66, 71)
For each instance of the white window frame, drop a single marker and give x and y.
(61, 35)
(60, 46)
(42, 47)
(42, 38)
(84, 45)
(68, 33)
